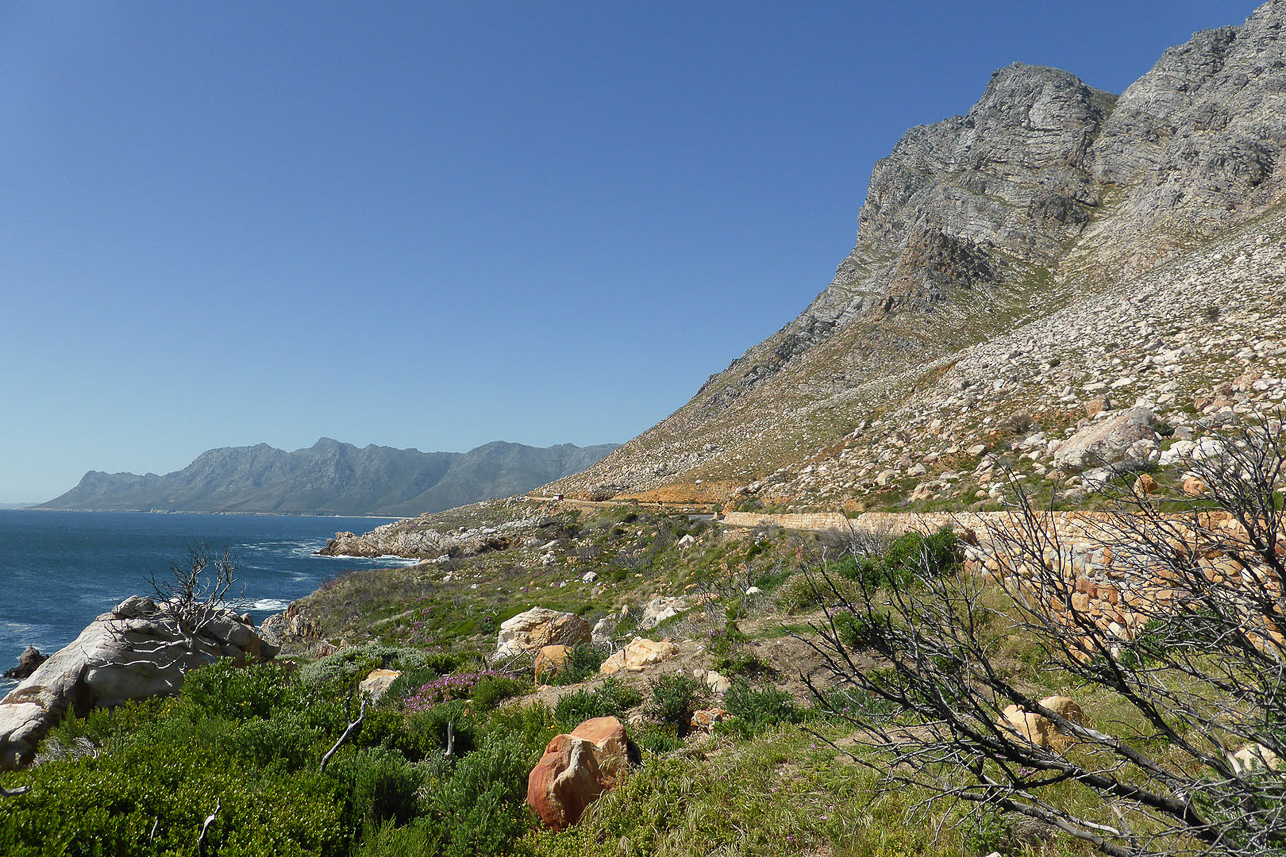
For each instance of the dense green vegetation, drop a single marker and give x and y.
(773, 778)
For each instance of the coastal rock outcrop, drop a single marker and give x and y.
(139, 649)
(28, 661)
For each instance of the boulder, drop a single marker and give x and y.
(377, 683)
(1146, 485)
(1254, 758)
(604, 631)
(638, 654)
(138, 650)
(706, 718)
(717, 683)
(550, 660)
(28, 661)
(1107, 440)
(531, 631)
(291, 626)
(1195, 487)
(660, 609)
(575, 769)
(1038, 729)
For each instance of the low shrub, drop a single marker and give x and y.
(381, 784)
(480, 809)
(673, 699)
(493, 690)
(582, 663)
(754, 710)
(612, 698)
(226, 690)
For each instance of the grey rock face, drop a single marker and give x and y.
(1046, 196)
(1196, 141)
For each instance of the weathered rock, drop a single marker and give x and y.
(707, 718)
(660, 609)
(290, 626)
(1195, 487)
(1107, 440)
(536, 628)
(549, 660)
(1253, 758)
(1146, 485)
(640, 653)
(136, 651)
(717, 683)
(377, 683)
(28, 661)
(604, 630)
(575, 769)
(1040, 730)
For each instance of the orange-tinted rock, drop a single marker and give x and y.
(708, 717)
(611, 747)
(550, 659)
(638, 654)
(576, 769)
(1192, 486)
(565, 781)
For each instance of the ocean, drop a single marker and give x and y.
(58, 570)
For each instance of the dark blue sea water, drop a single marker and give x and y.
(58, 570)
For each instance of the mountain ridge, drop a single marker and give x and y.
(331, 477)
(1046, 196)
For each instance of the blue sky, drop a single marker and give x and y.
(434, 225)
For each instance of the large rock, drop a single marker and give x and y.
(575, 770)
(550, 660)
(138, 650)
(638, 654)
(660, 609)
(377, 683)
(1106, 441)
(538, 627)
(1040, 730)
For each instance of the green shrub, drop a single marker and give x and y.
(493, 690)
(150, 799)
(612, 698)
(912, 554)
(582, 663)
(351, 663)
(381, 784)
(658, 738)
(479, 809)
(281, 741)
(756, 710)
(427, 729)
(226, 690)
(674, 697)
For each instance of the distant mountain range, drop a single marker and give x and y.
(332, 478)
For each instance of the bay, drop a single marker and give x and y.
(58, 570)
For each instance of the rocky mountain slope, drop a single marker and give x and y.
(332, 478)
(1053, 244)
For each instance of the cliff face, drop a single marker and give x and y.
(1046, 195)
(332, 478)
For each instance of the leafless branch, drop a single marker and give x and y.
(1177, 619)
(352, 727)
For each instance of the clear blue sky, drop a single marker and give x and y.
(440, 224)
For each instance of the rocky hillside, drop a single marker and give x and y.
(1054, 244)
(332, 478)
